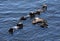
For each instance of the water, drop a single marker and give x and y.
(12, 10)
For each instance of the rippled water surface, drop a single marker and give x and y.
(12, 10)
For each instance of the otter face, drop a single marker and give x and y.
(37, 20)
(11, 30)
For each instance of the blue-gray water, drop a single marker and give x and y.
(12, 10)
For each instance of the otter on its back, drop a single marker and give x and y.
(41, 21)
(37, 20)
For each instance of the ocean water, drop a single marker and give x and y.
(12, 10)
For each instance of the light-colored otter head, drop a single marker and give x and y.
(31, 12)
(38, 20)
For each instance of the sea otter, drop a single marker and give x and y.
(23, 18)
(37, 20)
(18, 26)
(43, 23)
(32, 14)
(44, 7)
(39, 11)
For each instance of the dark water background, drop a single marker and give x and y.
(12, 10)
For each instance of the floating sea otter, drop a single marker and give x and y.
(18, 26)
(43, 23)
(44, 7)
(31, 15)
(38, 12)
(37, 20)
(23, 18)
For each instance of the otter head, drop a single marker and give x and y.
(32, 14)
(44, 25)
(38, 12)
(35, 20)
(20, 25)
(23, 18)
(38, 20)
(44, 7)
(11, 30)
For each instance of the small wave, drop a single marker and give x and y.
(8, 19)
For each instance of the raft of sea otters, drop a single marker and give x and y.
(36, 20)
